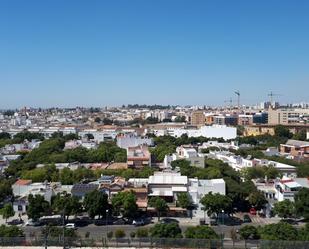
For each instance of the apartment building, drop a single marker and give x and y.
(138, 157)
(186, 152)
(288, 116)
(198, 118)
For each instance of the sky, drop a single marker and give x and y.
(69, 53)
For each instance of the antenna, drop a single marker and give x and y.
(238, 98)
(271, 95)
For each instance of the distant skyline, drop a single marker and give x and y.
(108, 53)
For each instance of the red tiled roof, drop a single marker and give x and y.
(23, 182)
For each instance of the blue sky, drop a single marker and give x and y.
(98, 53)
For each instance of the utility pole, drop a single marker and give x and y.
(63, 228)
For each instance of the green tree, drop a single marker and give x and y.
(66, 204)
(125, 203)
(170, 230)
(5, 189)
(7, 211)
(5, 135)
(184, 200)
(282, 131)
(278, 231)
(38, 207)
(10, 231)
(96, 203)
(248, 232)
(215, 203)
(302, 203)
(257, 200)
(200, 232)
(301, 135)
(159, 204)
(284, 209)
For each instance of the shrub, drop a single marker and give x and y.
(132, 234)
(119, 234)
(110, 234)
(142, 233)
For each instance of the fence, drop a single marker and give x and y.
(153, 243)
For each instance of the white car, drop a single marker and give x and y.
(70, 226)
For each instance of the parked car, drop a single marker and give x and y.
(120, 221)
(252, 211)
(213, 222)
(70, 226)
(16, 222)
(168, 220)
(33, 223)
(247, 219)
(138, 222)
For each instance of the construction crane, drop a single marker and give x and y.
(238, 98)
(230, 101)
(271, 95)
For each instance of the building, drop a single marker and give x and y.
(288, 116)
(198, 118)
(23, 188)
(295, 148)
(138, 157)
(260, 118)
(125, 141)
(186, 152)
(245, 119)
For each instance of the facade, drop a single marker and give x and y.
(198, 118)
(186, 152)
(295, 148)
(288, 116)
(131, 140)
(138, 157)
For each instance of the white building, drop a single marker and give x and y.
(188, 153)
(131, 140)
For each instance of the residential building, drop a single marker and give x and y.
(198, 118)
(125, 141)
(288, 116)
(186, 152)
(138, 157)
(295, 148)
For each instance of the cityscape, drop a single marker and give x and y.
(116, 133)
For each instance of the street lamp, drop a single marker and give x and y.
(106, 216)
(222, 234)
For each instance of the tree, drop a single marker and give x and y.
(96, 203)
(10, 231)
(282, 131)
(5, 135)
(38, 207)
(5, 189)
(180, 119)
(184, 201)
(257, 200)
(200, 232)
(248, 232)
(125, 203)
(89, 136)
(7, 211)
(66, 204)
(301, 135)
(107, 121)
(284, 209)
(302, 203)
(97, 120)
(159, 204)
(215, 203)
(170, 230)
(278, 231)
